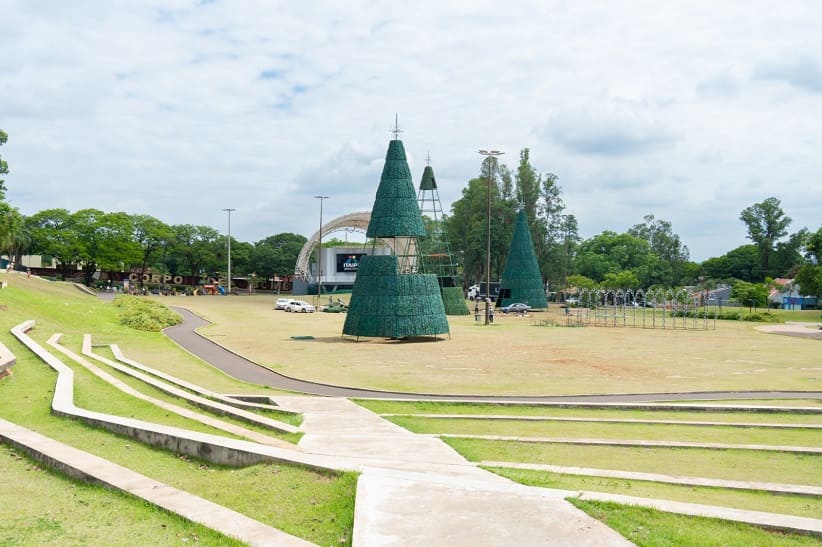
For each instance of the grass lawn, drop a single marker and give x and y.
(516, 410)
(803, 506)
(606, 430)
(690, 462)
(510, 357)
(313, 505)
(652, 528)
(82, 514)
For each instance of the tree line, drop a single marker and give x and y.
(649, 254)
(94, 240)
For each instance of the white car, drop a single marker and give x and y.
(299, 306)
(281, 303)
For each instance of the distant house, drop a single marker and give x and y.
(788, 295)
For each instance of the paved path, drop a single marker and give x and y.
(243, 369)
(794, 328)
(415, 490)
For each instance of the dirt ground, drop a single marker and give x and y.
(514, 356)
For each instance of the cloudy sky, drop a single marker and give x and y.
(690, 111)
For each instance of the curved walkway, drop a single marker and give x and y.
(241, 368)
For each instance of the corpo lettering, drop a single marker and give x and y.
(155, 278)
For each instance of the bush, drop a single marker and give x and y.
(145, 315)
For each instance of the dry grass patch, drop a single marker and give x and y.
(512, 356)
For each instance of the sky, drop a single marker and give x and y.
(690, 111)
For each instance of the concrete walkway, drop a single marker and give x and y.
(415, 490)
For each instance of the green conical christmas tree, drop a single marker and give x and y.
(390, 298)
(437, 257)
(395, 211)
(522, 281)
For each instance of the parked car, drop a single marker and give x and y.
(299, 306)
(281, 303)
(518, 307)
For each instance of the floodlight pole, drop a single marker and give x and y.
(320, 252)
(488, 155)
(228, 292)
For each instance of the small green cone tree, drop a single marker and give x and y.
(522, 281)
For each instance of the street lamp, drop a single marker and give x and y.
(229, 249)
(488, 155)
(320, 252)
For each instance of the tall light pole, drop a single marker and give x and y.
(488, 155)
(320, 252)
(228, 292)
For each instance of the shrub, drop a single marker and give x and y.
(145, 315)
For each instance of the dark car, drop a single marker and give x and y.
(518, 307)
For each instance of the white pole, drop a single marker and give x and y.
(228, 292)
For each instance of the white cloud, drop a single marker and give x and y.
(179, 109)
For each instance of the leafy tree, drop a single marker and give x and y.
(4, 167)
(744, 263)
(570, 243)
(277, 255)
(540, 198)
(560, 231)
(625, 279)
(52, 233)
(666, 244)
(717, 267)
(13, 234)
(581, 282)
(809, 279)
(104, 240)
(240, 257)
(151, 236)
(467, 224)
(741, 263)
(197, 247)
(813, 247)
(788, 257)
(610, 252)
(766, 223)
(750, 294)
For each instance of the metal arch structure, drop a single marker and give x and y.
(352, 221)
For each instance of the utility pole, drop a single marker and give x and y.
(229, 249)
(320, 252)
(489, 154)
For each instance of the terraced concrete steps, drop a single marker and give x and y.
(88, 467)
